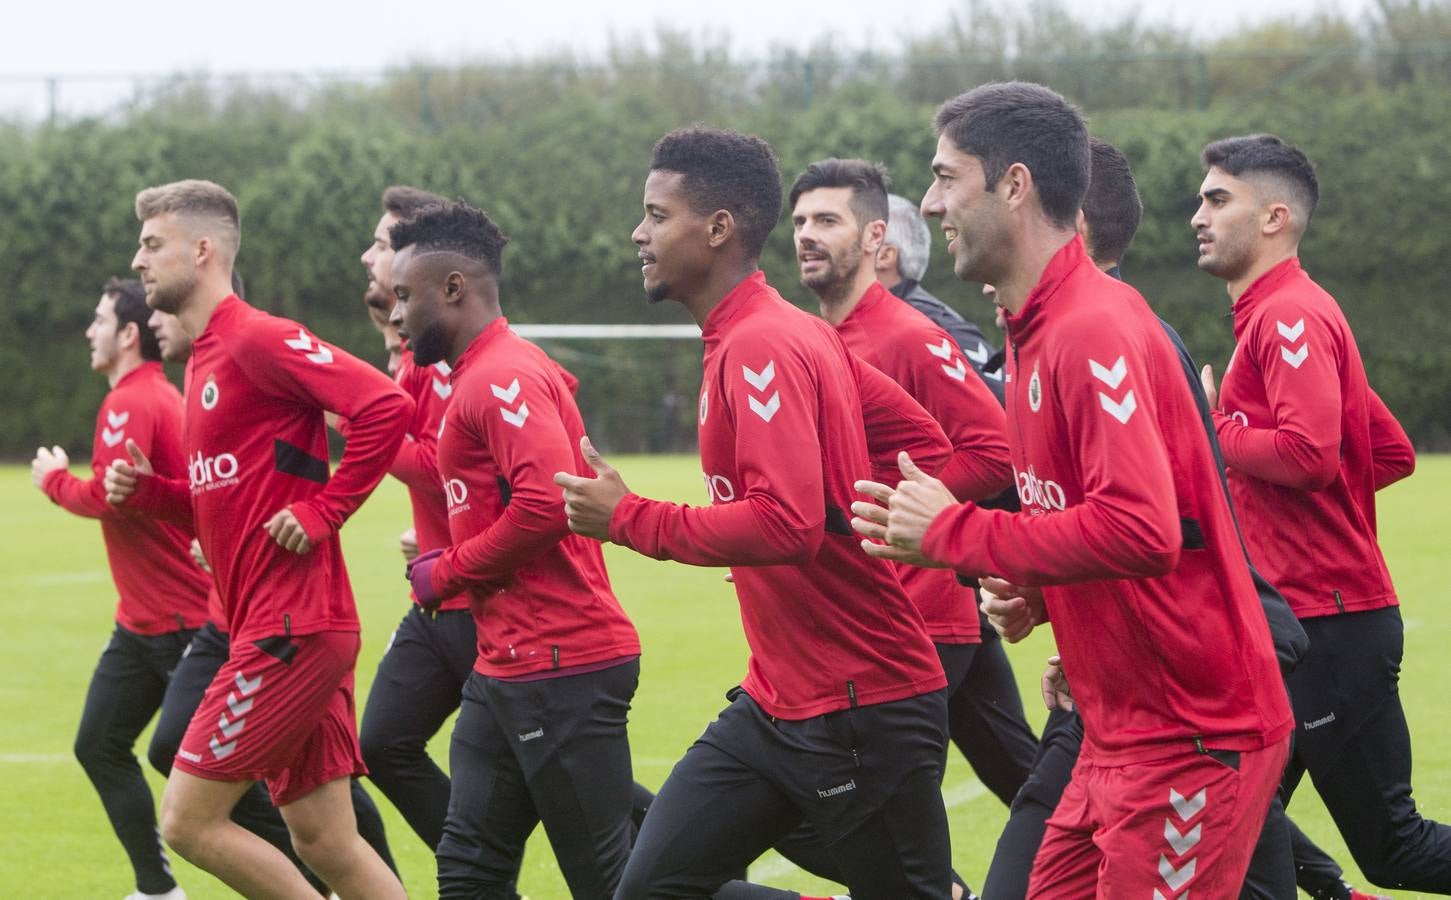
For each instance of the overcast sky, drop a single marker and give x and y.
(74, 40)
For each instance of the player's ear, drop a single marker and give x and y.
(719, 227)
(130, 335)
(453, 287)
(1277, 218)
(1015, 184)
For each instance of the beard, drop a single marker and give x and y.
(657, 294)
(169, 298)
(430, 345)
(831, 282)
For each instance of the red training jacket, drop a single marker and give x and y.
(256, 443)
(161, 589)
(1307, 443)
(789, 419)
(1126, 527)
(919, 355)
(541, 596)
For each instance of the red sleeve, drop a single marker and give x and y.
(779, 515)
(416, 464)
(1390, 448)
(895, 422)
(973, 420)
(311, 372)
(1127, 524)
(87, 496)
(528, 455)
(168, 499)
(1298, 358)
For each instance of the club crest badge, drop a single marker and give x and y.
(704, 402)
(1035, 391)
(210, 393)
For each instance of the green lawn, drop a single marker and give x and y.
(59, 603)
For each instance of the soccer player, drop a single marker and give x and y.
(900, 265)
(1112, 210)
(266, 510)
(1308, 443)
(985, 720)
(431, 655)
(163, 594)
(1125, 538)
(199, 664)
(840, 719)
(541, 735)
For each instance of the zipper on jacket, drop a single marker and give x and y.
(555, 652)
(1339, 603)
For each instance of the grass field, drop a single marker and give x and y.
(59, 602)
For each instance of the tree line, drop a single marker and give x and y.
(557, 151)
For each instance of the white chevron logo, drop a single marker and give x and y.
(442, 368)
(515, 418)
(759, 380)
(768, 409)
(1187, 809)
(230, 729)
(221, 750)
(117, 420)
(506, 394)
(1291, 333)
(958, 372)
(1181, 842)
(239, 708)
(943, 350)
(322, 355)
(1298, 357)
(247, 688)
(1122, 410)
(1112, 377)
(112, 438)
(978, 356)
(1176, 878)
(1159, 895)
(443, 389)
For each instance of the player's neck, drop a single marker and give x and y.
(718, 283)
(125, 365)
(890, 278)
(1029, 260)
(838, 302)
(1257, 270)
(196, 313)
(474, 325)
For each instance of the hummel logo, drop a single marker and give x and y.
(1181, 843)
(506, 394)
(321, 355)
(838, 790)
(238, 707)
(978, 356)
(117, 420)
(759, 380)
(1123, 409)
(943, 350)
(442, 388)
(768, 409)
(958, 372)
(247, 688)
(531, 735)
(1176, 878)
(221, 750)
(112, 438)
(515, 417)
(230, 729)
(1323, 720)
(442, 368)
(1112, 377)
(1291, 332)
(1187, 809)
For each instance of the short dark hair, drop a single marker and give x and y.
(405, 201)
(129, 297)
(456, 227)
(868, 182)
(1112, 207)
(724, 169)
(1266, 154)
(1020, 122)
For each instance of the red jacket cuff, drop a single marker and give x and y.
(622, 518)
(313, 524)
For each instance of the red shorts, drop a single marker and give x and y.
(1159, 829)
(281, 712)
